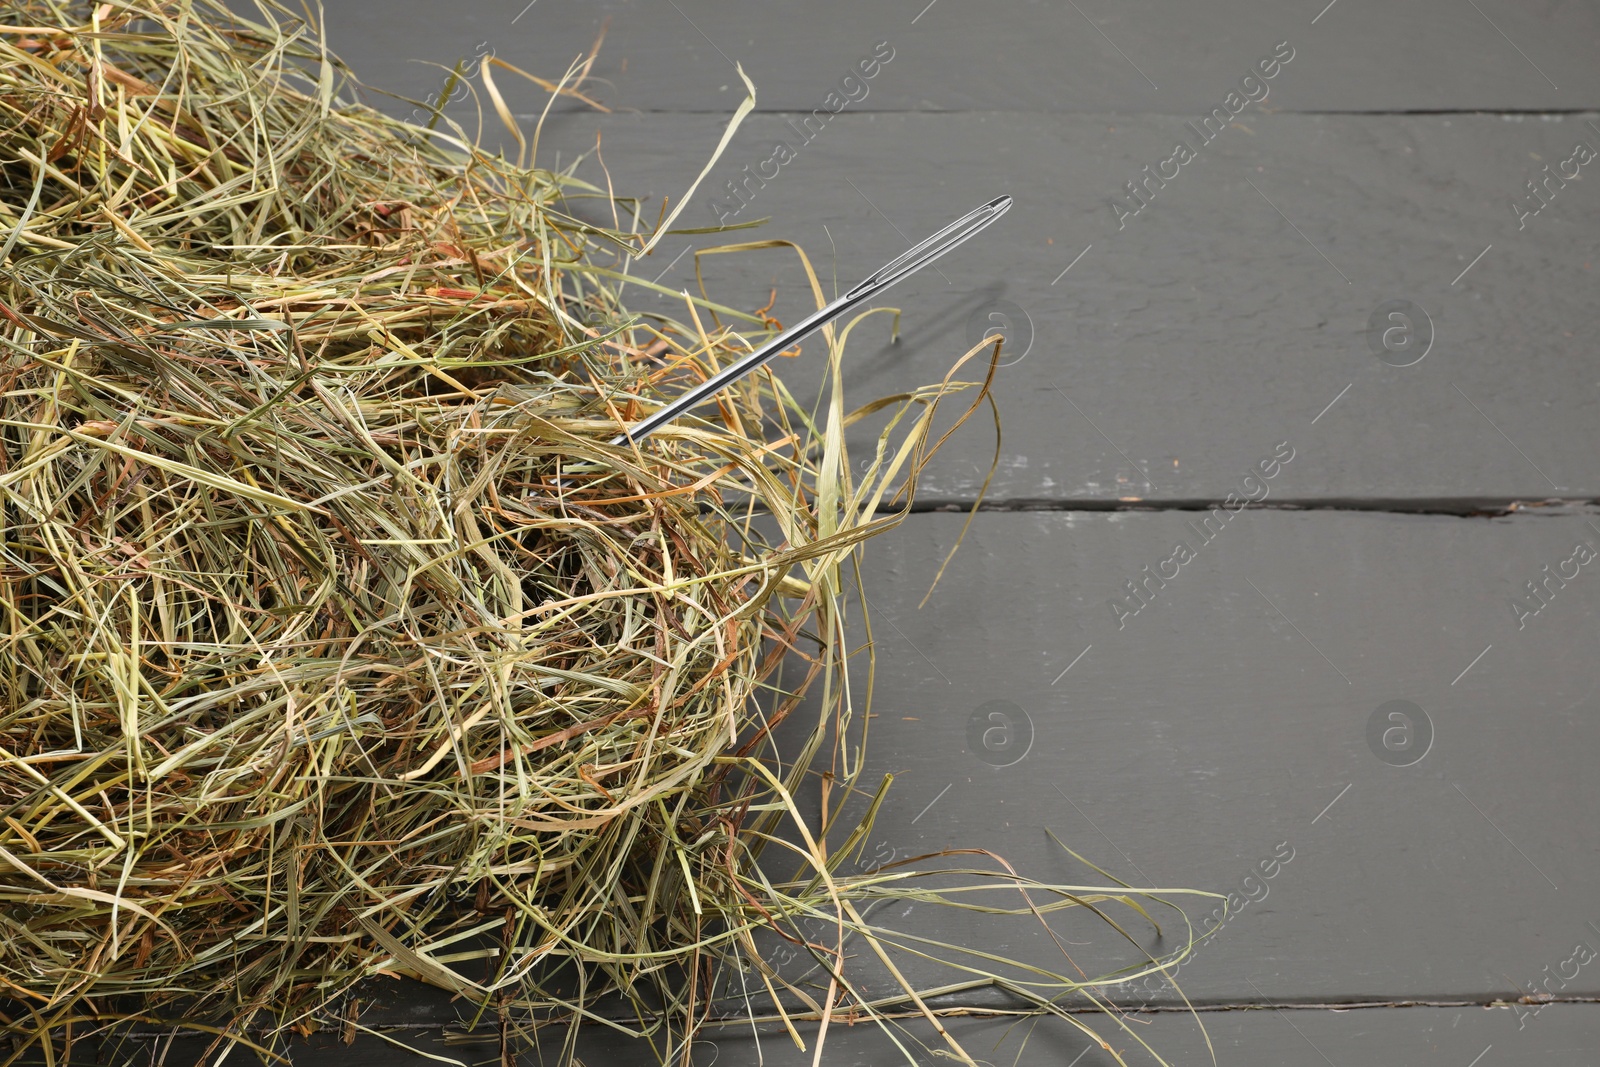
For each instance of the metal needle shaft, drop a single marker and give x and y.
(903, 265)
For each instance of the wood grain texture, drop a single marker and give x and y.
(1227, 725)
(1238, 304)
(1360, 55)
(1560, 1035)
(1232, 711)
(1209, 325)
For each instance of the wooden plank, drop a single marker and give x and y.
(1560, 1035)
(1138, 55)
(1241, 298)
(1235, 735)
(1236, 310)
(1186, 744)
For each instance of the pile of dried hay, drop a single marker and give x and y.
(336, 640)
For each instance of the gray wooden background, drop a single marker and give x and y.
(1155, 359)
